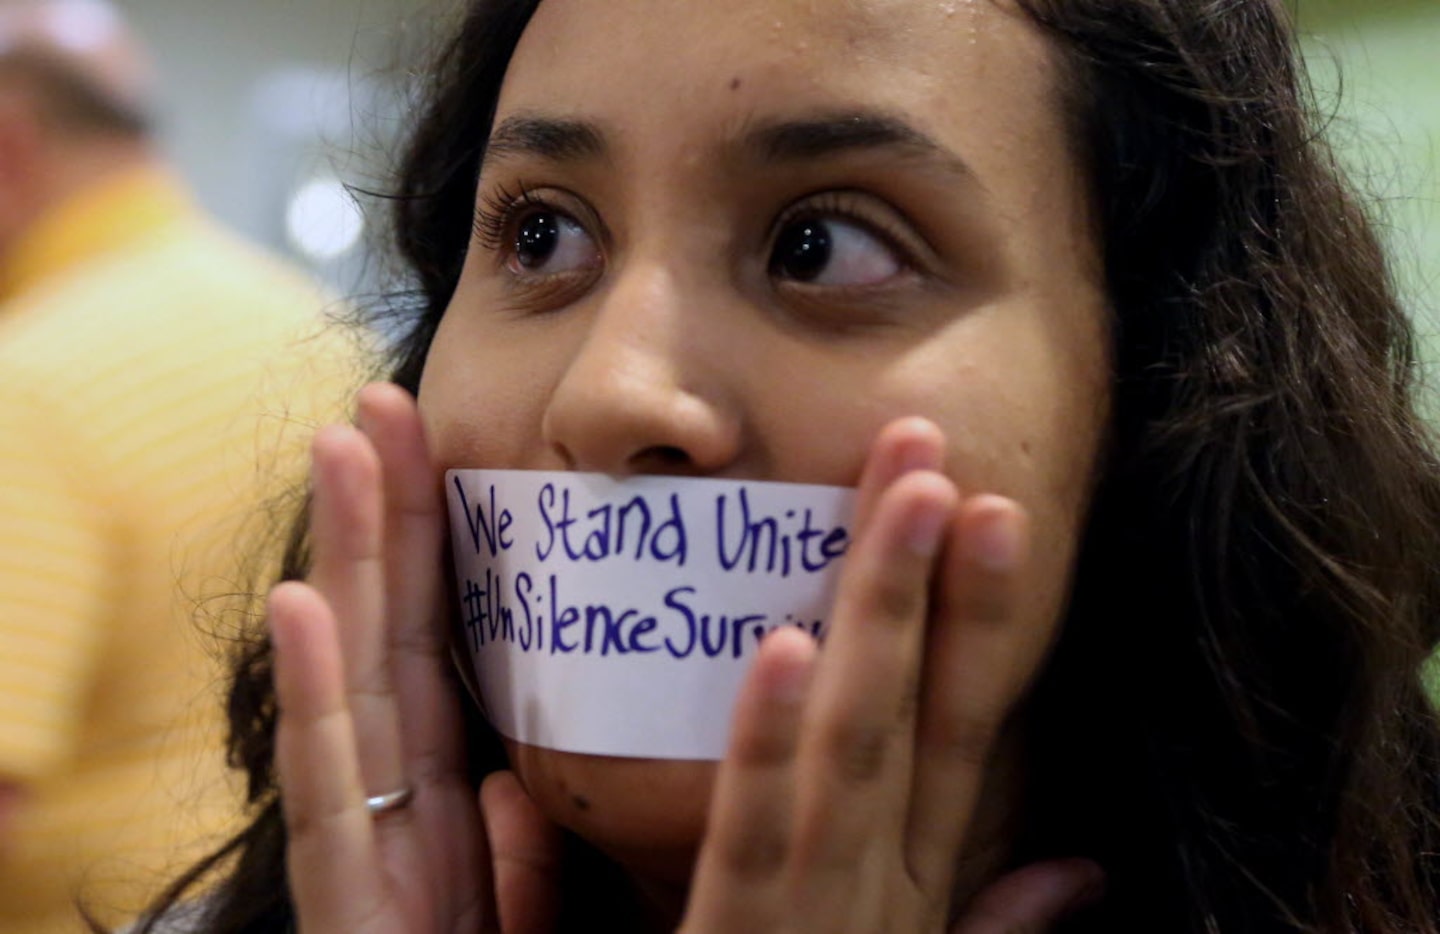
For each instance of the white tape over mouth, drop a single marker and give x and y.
(618, 617)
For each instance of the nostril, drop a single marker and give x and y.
(662, 458)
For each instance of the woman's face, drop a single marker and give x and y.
(737, 239)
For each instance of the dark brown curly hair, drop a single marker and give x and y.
(1234, 723)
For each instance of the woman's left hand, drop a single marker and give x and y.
(853, 774)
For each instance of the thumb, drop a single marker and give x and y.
(1033, 899)
(526, 854)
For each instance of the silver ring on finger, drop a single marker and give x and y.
(389, 802)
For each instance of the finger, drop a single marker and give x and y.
(902, 446)
(858, 722)
(974, 672)
(527, 855)
(347, 569)
(1033, 899)
(330, 845)
(413, 546)
(748, 833)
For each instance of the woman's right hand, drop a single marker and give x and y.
(367, 706)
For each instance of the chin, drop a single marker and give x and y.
(646, 814)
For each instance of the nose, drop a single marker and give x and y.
(643, 393)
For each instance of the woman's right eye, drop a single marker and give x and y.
(547, 242)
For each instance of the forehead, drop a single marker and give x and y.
(975, 73)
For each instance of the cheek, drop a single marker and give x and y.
(481, 407)
(1024, 409)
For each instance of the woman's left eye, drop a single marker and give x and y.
(832, 251)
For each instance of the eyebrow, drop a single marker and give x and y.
(846, 132)
(826, 135)
(550, 138)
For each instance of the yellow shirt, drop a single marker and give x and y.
(151, 383)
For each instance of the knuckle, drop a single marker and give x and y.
(755, 856)
(910, 699)
(896, 598)
(987, 606)
(426, 766)
(859, 752)
(963, 739)
(372, 686)
(370, 712)
(421, 642)
(765, 749)
(302, 823)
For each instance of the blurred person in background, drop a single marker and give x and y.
(141, 348)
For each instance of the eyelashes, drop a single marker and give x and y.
(495, 216)
(853, 207)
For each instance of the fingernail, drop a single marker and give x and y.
(995, 544)
(926, 531)
(918, 456)
(789, 675)
(790, 683)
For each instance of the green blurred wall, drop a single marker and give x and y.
(1383, 59)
